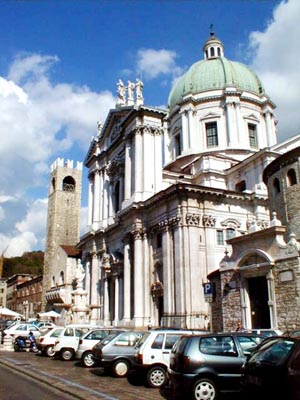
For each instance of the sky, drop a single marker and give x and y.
(60, 61)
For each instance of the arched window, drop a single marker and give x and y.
(276, 186)
(212, 52)
(219, 52)
(53, 183)
(69, 184)
(62, 278)
(291, 177)
(53, 281)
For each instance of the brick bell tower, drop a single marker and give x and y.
(63, 222)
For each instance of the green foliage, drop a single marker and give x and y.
(28, 263)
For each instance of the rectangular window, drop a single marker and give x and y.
(220, 238)
(177, 142)
(252, 136)
(211, 134)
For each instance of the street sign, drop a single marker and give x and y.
(208, 289)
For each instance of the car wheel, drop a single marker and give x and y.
(87, 359)
(49, 351)
(120, 368)
(156, 377)
(67, 354)
(204, 389)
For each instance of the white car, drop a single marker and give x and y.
(22, 330)
(153, 354)
(66, 344)
(46, 342)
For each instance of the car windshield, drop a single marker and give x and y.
(273, 351)
(142, 340)
(108, 338)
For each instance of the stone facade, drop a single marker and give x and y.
(268, 257)
(63, 225)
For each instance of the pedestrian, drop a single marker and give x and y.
(239, 327)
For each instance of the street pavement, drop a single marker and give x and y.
(82, 383)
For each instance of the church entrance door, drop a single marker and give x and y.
(258, 295)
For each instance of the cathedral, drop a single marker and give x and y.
(170, 190)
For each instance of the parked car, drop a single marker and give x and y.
(153, 354)
(88, 341)
(22, 330)
(116, 352)
(204, 365)
(66, 344)
(45, 343)
(44, 326)
(272, 371)
(265, 332)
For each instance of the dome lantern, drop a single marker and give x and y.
(213, 47)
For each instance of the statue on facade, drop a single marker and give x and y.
(99, 127)
(80, 274)
(130, 92)
(121, 92)
(139, 91)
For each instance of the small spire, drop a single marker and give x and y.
(212, 33)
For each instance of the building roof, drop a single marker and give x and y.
(214, 72)
(71, 251)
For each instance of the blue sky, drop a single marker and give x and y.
(60, 62)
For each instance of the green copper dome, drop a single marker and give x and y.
(215, 73)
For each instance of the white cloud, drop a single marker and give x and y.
(38, 121)
(276, 61)
(152, 63)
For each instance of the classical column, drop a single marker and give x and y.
(138, 151)
(90, 202)
(116, 319)
(191, 128)
(158, 161)
(184, 132)
(101, 196)
(168, 268)
(128, 177)
(96, 196)
(148, 154)
(105, 195)
(271, 137)
(138, 278)
(127, 279)
(106, 303)
(147, 296)
(94, 286)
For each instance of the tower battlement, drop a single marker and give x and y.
(61, 162)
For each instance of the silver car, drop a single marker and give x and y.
(116, 352)
(88, 341)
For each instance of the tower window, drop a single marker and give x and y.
(211, 134)
(69, 184)
(212, 52)
(276, 185)
(252, 135)
(219, 52)
(291, 177)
